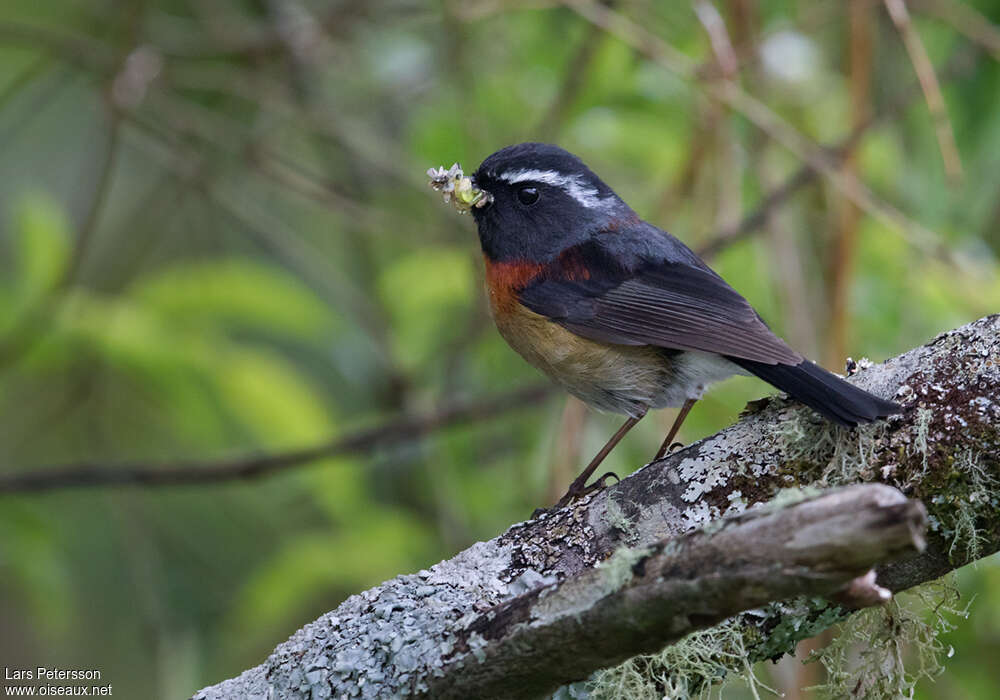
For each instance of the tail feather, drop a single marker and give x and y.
(823, 391)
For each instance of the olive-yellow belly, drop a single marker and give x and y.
(618, 378)
(625, 379)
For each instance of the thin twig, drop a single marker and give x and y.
(98, 203)
(967, 21)
(806, 174)
(295, 250)
(759, 216)
(765, 119)
(727, 202)
(32, 324)
(250, 466)
(573, 81)
(718, 35)
(929, 83)
(79, 50)
(268, 41)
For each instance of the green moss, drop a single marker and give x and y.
(798, 619)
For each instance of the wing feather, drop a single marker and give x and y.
(670, 304)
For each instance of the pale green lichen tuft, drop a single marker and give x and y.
(981, 492)
(695, 666)
(921, 432)
(616, 519)
(879, 652)
(886, 651)
(966, 493)
(618, 567)
(690, 668)
(840, 455)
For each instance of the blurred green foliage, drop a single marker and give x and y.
(215, 238)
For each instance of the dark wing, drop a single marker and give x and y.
(668, 304)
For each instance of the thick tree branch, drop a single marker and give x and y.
(415, 634)
(641, 599)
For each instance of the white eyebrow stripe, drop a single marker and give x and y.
(573, 185)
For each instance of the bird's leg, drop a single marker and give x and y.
(578, 487)
(668, 441)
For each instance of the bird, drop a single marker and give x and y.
(617, 311)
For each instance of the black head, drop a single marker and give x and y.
(544, 201)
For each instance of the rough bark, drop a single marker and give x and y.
(417, 634)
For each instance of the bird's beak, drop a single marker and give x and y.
(458, 189)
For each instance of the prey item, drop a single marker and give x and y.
(620, 313)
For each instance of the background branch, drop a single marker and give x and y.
(89, 474)
(929, 84)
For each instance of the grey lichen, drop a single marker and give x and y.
(382, 642)
(608, 577)
(921, 430)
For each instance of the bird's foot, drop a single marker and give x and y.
(600, 483)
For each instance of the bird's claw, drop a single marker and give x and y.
(600, 483)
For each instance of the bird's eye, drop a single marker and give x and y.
(527, 195)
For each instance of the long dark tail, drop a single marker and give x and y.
(827, 393)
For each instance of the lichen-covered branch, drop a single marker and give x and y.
(643, 598)
(402, 637)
